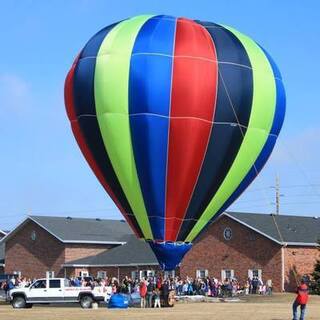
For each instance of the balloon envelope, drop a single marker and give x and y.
(176, 118)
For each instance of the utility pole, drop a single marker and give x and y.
(277, 195)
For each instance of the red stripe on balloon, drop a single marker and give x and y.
(193, 99)
(69, 102)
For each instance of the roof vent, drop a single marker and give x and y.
(98, 219)
(69, 218)
(122, 220)
(315, 217)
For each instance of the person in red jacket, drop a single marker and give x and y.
(301, 300)
(143, 292)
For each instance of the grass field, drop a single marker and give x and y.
(277, 307)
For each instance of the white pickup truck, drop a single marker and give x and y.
(55, 290)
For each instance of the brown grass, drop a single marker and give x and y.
(277, 307)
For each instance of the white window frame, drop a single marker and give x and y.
(224, 274)
(169, 274)
(101, 274)
(135, 275)
(258, 272)
(49, 274)
(146, 273)
(200, 271)
(84, 273)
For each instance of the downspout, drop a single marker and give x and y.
(283, 266)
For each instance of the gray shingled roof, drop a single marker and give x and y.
(85, 230)
(292, 229)
(134, 252)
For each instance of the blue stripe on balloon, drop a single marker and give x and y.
(269, 145)
(149, 105)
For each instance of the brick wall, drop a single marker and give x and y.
(34, 257)
(299, 261)
(81, 250)
(246, 250)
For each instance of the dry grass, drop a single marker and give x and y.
(277, 307)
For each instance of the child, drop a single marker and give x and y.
(156, 293)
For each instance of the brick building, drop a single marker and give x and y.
(238, 245)
(2, 235)
(42, 245)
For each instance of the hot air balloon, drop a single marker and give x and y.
(176, 118)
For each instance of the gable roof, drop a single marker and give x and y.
(3, 233)
(80, 230)
(283, 229)
(135, 252)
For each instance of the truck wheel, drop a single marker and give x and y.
(29, 305)
(86, 302)
(19, 302)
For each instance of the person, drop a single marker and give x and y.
(255, 283)
(157, 297)
(150, 289)
(269, 287)
(301, 300)
(165, 292)
(143, 293)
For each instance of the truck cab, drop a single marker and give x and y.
(55, 290)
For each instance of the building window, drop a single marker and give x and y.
(84, 274)
(255, 273)
(33, 235)
(101, 274)
(146, 273)
(227, 274)
(67, 283)
(252, 236)
(135, 275)
(202, 273)
(227, 234)
(169, 274)
(50, 274)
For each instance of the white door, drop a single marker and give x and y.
(37, 291)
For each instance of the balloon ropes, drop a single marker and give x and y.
(176, 118)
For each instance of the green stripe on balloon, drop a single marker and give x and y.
(260, 122)
(111, 83)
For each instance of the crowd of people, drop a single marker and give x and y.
(154, 289)
(157, 285)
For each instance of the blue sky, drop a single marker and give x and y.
(42, 170)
